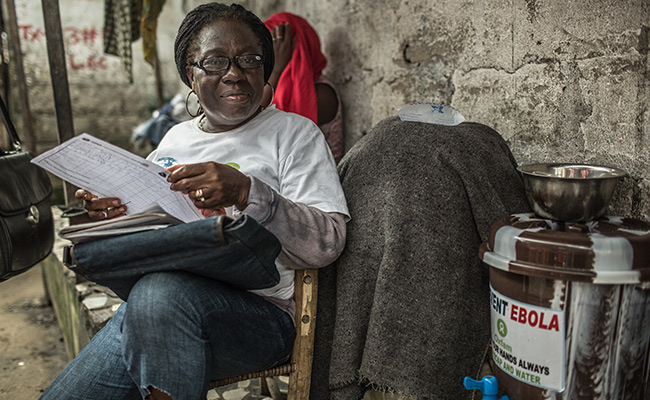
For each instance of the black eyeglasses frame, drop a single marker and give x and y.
(232, 59)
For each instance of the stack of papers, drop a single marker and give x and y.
(118, 226)
(110, 171)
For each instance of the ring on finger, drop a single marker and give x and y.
(198, 193)
(105, 213)
(200, 198)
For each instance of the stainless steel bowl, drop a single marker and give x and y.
(570, 192)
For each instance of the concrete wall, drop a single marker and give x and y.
(563, 81)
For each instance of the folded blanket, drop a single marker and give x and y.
(406, 307)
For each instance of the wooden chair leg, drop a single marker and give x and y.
(274, 390)
(264, 387)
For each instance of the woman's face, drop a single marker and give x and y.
(232, 96)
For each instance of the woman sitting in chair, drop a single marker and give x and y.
(178, 331)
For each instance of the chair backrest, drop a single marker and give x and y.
(299, 366)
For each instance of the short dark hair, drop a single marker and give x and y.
(196, 19)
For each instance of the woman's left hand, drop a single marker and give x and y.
(283, 45)
(211, 185)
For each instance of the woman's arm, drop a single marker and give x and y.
(328, 103)
(310, 238)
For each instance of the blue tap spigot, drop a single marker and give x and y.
(488, 386)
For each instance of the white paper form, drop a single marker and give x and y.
(107, 170)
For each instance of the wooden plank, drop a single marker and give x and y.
(158, 75)
(4, 68)
(23, 96)
(4, 74)
(59, 77)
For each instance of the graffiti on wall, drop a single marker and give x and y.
(75, 38)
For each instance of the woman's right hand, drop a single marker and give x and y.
(100, 208)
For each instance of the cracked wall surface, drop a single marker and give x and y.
(561, 81)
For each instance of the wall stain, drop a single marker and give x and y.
(643, 40)
(531, 6)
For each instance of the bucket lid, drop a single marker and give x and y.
(610, 250)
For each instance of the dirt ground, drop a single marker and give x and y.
(32, 350)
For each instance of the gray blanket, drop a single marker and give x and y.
(406, 307)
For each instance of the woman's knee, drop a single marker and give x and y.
(157, 286)
(159, 297)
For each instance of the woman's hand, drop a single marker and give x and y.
(283, 46)
(211, 185)
(100, 208)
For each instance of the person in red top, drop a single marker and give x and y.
(297, 84)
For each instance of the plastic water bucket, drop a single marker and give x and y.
(570, 307)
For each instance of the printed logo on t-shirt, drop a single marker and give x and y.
(166, 162)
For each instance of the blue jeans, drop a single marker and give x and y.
(177, 332)
(241, 253)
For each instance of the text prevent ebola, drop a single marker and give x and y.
(524, 315)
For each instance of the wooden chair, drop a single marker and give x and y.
(299, 366)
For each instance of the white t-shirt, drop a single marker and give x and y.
(284, 150)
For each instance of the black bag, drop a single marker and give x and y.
(26, 223)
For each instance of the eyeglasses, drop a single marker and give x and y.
(216, 64)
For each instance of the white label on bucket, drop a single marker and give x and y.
(528, 341)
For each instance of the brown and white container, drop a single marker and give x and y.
(570, 307)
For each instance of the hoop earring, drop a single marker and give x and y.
(272, 95)
(199, 111)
